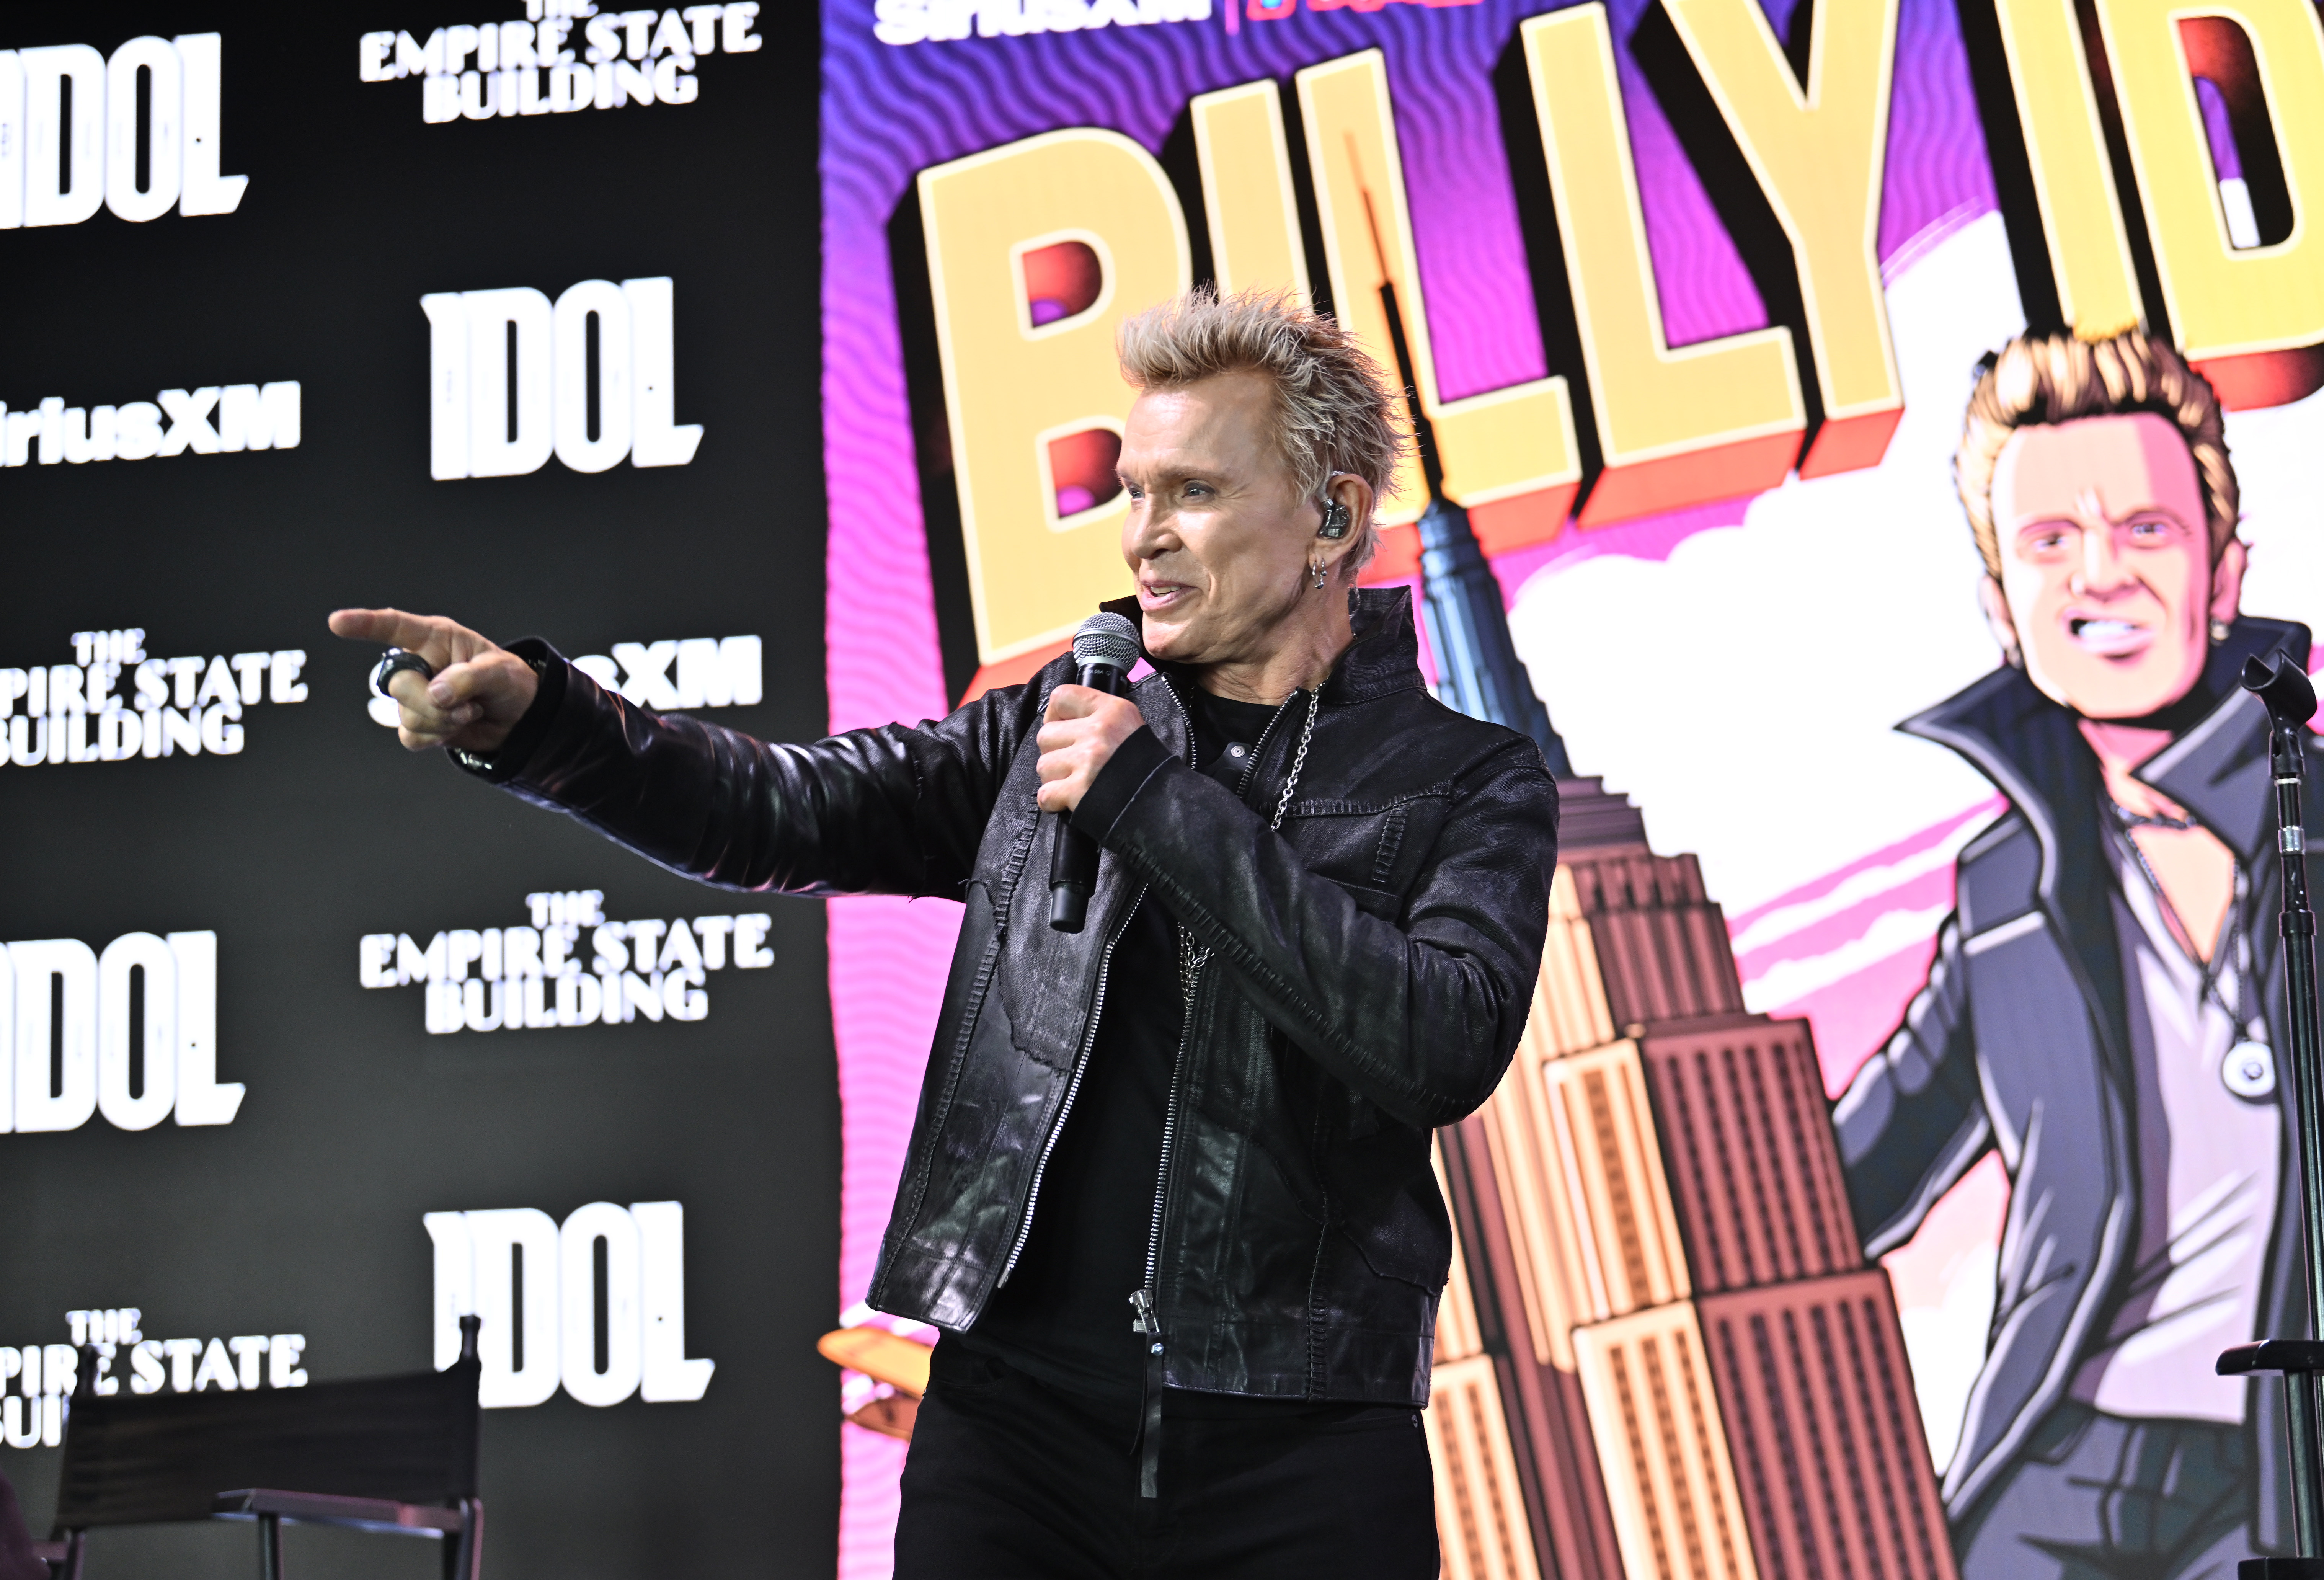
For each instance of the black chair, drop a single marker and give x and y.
(381, 1454)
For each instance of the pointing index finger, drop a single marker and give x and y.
(359, 624)
(394, 628)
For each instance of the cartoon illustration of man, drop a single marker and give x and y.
(2107, 996)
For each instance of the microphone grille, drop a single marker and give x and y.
(1106, 639)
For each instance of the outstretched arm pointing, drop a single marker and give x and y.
(479, 691)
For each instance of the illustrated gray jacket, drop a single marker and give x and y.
(2020, 1044)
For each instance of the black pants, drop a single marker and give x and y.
(2097, 1497)
(1007, 1478)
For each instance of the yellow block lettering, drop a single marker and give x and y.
(1675, 427)
(1245, 161)
(1817, 153)
(1507, 442)
(2251, 318)
(1019, 391)
(2073, 183)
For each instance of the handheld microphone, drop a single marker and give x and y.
(1105, 649)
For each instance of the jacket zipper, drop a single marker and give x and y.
(1072, 1087)
(1081, 1062)
(1145, 1320)
(1142, 1302)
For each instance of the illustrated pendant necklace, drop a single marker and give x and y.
(2248, 1070)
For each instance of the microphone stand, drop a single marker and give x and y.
(2284, 686)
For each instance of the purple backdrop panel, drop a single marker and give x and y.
(891, 111)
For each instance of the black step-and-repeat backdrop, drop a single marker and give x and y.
(311, 1045)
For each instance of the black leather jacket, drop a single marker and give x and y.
(1373, 966)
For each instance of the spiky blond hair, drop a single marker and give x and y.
(1335, 409)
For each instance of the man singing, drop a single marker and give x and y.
(1168, 1195)
(2106, 1008)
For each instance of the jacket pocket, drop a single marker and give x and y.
(1373, 901)
(1372, 850)
(1406, 1236)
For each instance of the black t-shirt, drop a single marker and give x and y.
(1064, 1315)
(1228, 732)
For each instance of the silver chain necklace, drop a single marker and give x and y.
(1193, 956)
(2211, 969)
(2249, 1068)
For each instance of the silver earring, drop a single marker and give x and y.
(1319, 577)
(2218, 632)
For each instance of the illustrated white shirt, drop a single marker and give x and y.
(2209, 1170)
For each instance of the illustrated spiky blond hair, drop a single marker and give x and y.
(2041, 379)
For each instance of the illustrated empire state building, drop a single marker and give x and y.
(1660, 1354)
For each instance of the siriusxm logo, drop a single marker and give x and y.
(215, 419)
(677, 673)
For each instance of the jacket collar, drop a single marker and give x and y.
(1384, 657)
(2030, 749)
(2218, 769)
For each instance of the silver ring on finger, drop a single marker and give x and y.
(392, 662)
